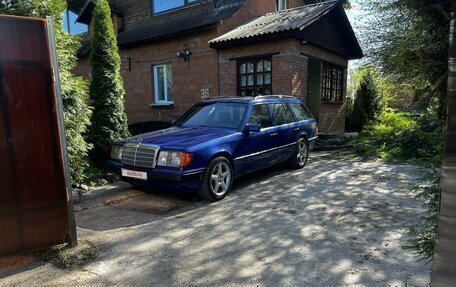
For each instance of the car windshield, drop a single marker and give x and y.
(221, 115)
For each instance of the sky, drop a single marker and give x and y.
(355, 15)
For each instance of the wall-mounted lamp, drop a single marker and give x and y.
(185, 54)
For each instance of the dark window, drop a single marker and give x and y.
(282, 114)
(301, 112)
(255, 77)
(332, 83)
(260, 116)
(165, 5)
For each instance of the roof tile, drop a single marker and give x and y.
(281, 21)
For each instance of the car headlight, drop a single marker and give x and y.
(175, 159)
(116, 152)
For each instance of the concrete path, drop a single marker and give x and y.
(337, 222)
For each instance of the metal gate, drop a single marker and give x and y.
(35, 196)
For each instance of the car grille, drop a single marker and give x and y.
(140, 155)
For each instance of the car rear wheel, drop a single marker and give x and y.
(299, 158)
(217, 179)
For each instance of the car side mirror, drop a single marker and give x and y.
(252, 128)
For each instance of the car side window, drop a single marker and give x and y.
(282, 114)
(301, 112)
(260, 116)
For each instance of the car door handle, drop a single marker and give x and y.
(273, 134)
(296, 128)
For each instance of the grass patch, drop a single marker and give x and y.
(65, 257)
(402, 137)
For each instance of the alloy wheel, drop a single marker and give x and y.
(220, 179)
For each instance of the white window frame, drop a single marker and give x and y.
(165, 84)
(282, 5)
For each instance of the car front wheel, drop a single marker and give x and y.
(217, 179)
(299, 158)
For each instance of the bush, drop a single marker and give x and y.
(402, 136)
(109, 121)
(367, 104)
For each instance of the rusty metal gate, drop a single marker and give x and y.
(35, 197)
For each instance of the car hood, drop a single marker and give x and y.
(180, 137)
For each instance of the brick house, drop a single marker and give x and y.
(174, 53)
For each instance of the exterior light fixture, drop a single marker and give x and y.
(185, 54)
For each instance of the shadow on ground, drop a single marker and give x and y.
(337, 222)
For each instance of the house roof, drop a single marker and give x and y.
(168, 25)
(297, 23)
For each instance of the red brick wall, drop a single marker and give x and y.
(213, 70)
(295, 3)
(250, 10)
(288, 73)
(188, 78)
(332, 115)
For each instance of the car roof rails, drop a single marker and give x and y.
(275, 96)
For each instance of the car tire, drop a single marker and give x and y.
(217, 179)
(301, 154)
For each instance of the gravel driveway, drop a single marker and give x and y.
(337, 222)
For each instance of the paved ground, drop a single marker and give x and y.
(337, 222)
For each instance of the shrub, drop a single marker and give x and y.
(402, 136)
(109, 121)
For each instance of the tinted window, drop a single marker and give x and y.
(301, 112)
(260, 116)
(282, 114)
(223, 115)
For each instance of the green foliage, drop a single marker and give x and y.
(403, 136)
(368, 101)
(109, 121)
(408, 42)
(74, 91)
(423, 236)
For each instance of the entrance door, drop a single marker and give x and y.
(313, 86)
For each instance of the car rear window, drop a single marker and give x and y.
(282, 114)
(301, 112)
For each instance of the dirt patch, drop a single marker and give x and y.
(151, 202)
(15, 262)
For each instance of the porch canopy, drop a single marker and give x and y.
(323, 24)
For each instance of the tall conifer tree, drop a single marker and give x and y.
(109, 121)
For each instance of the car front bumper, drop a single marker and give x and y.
(160, 178)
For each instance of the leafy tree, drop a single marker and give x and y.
(109, 121)
(74, 91)
(408, 42)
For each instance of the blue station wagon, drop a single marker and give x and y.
(216, 141)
